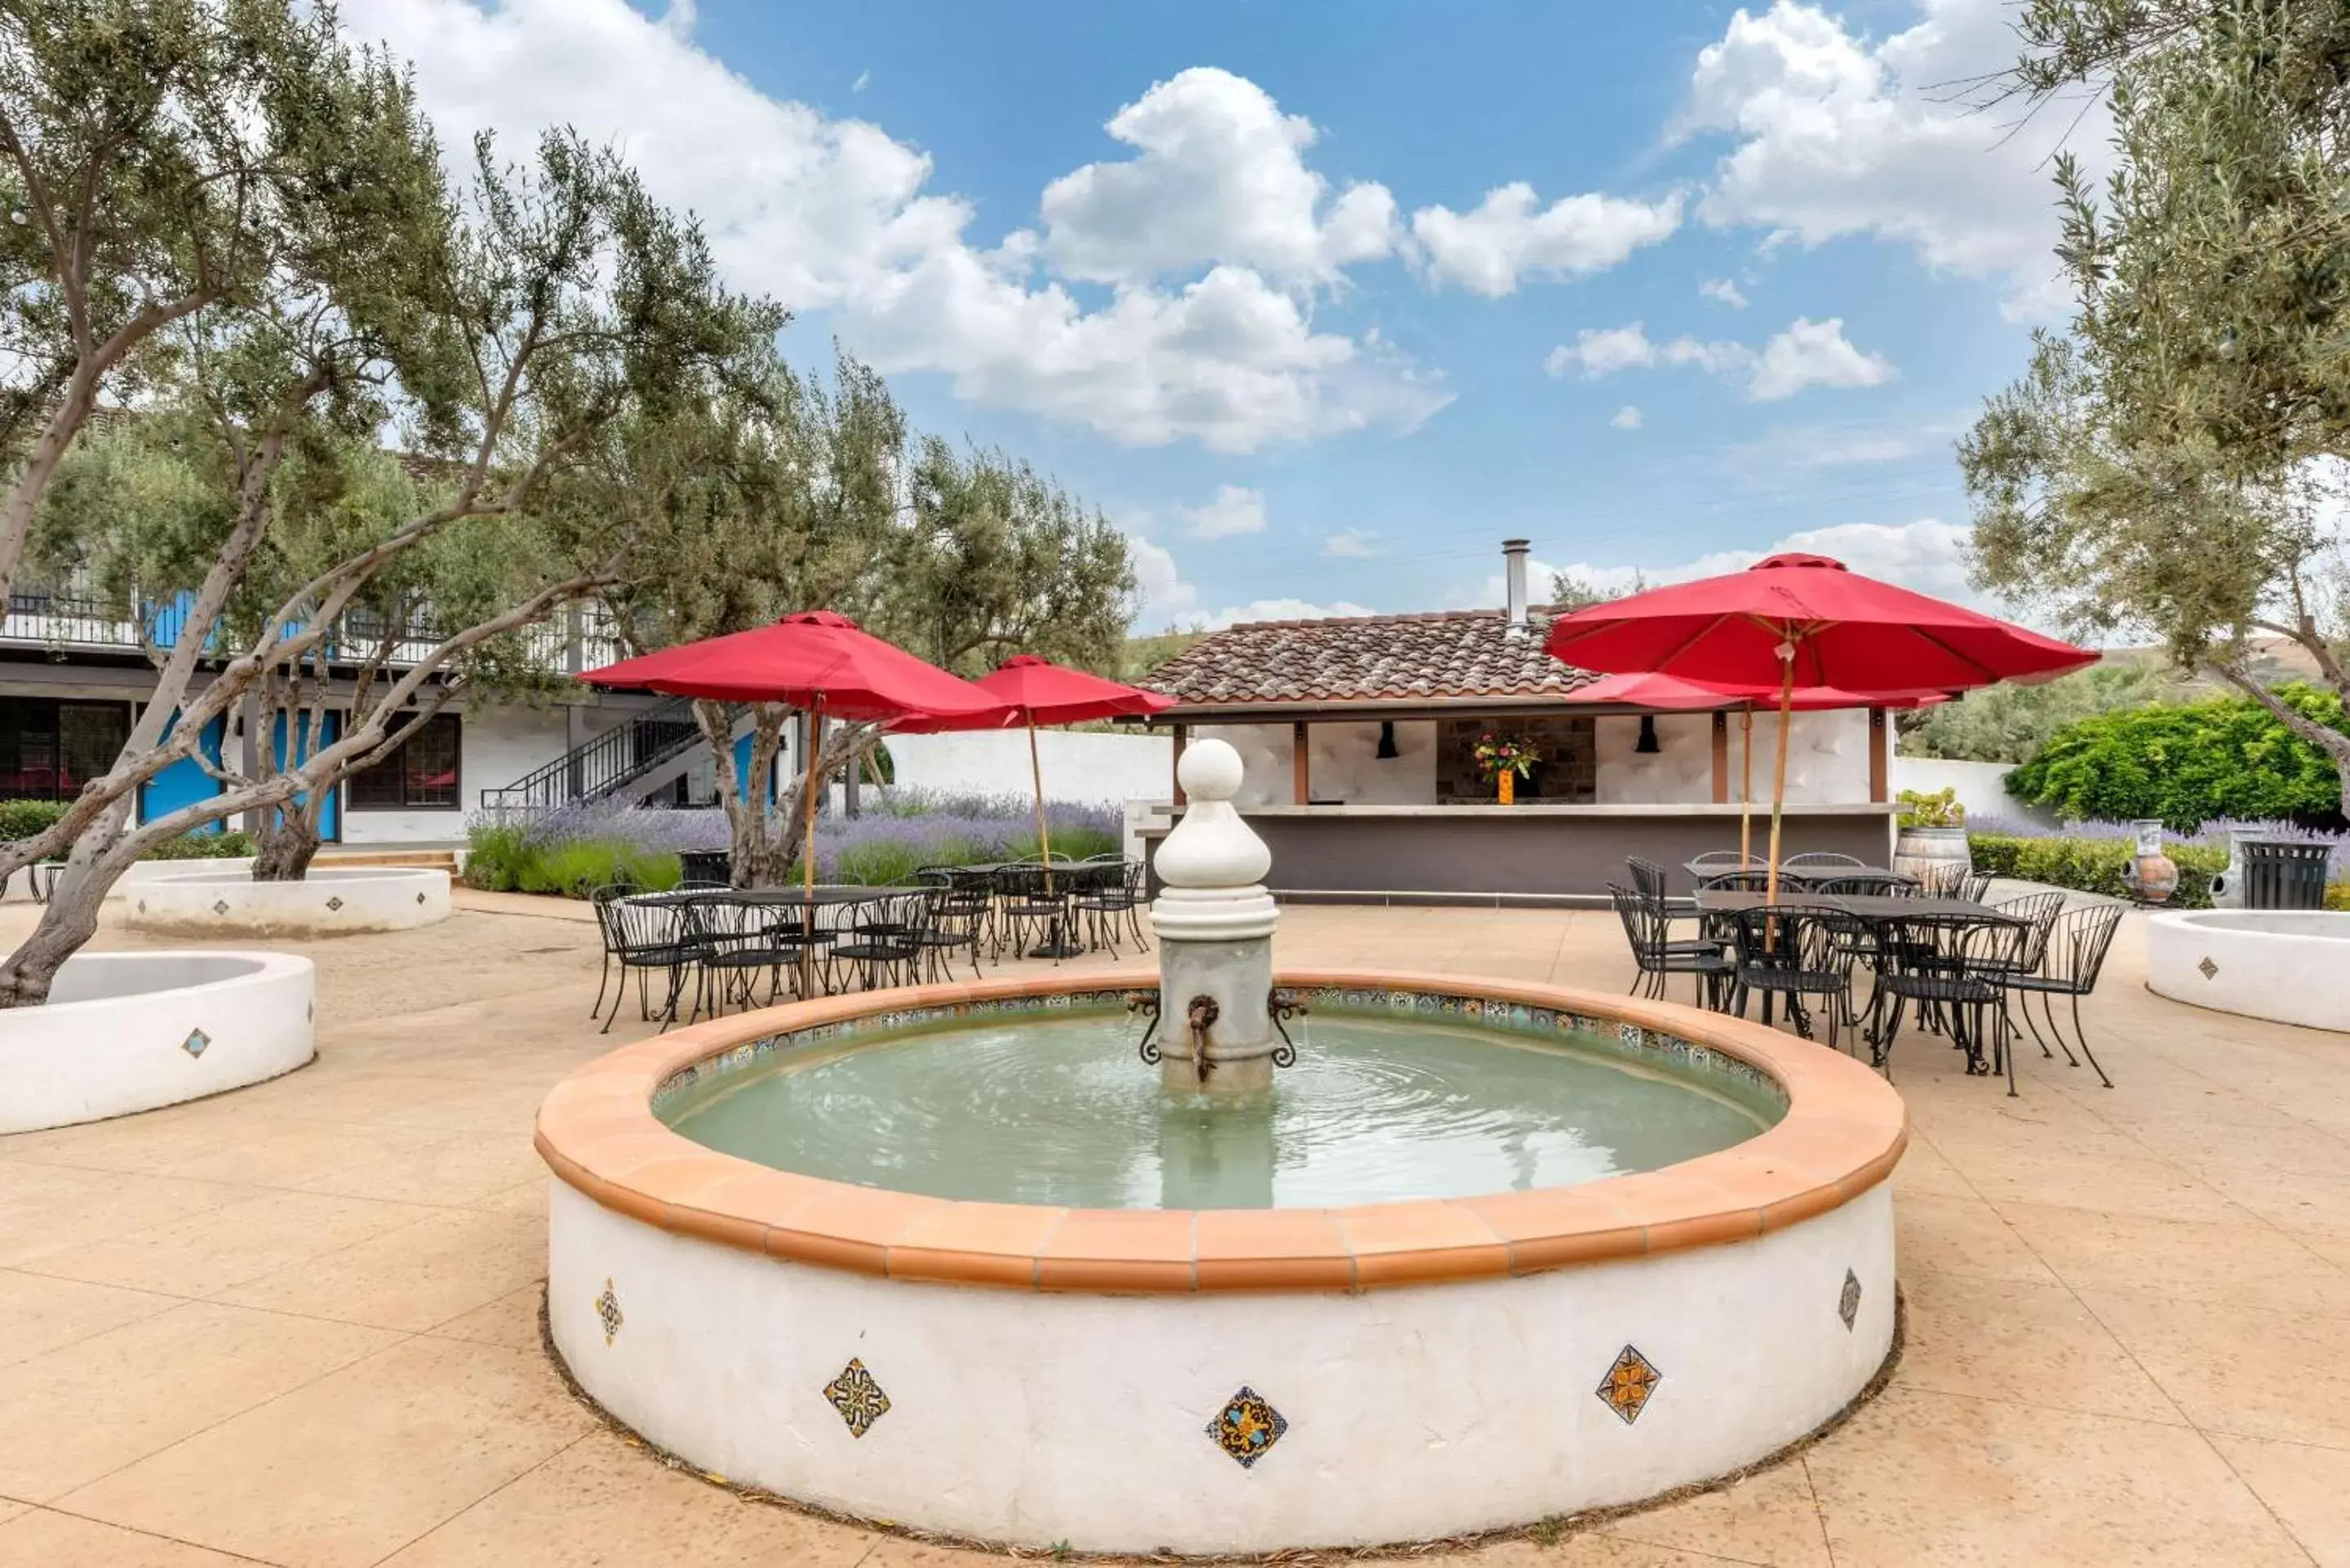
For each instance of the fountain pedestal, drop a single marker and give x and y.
(1214, 922)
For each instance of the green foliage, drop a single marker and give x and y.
(2189, 764)
(1573, 591)
(24, 818)
(1068, 844)
(1935, 808)
(2008, 722)
(505, 860)
(2095, 865)
(203, 846)
(881, 862)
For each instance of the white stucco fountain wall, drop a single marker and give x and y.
(330, 901)
(134, 1031)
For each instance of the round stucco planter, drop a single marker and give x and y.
(1034, 1374)
(330, 901)
(2291, 966)
(129, 1032)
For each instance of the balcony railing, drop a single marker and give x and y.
(61, 624)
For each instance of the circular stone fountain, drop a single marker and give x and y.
(2286, 965)
(1369, 1258)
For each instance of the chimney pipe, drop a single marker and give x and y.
(1514, 573)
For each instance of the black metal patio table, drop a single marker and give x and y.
(825, 895)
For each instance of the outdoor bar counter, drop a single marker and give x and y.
(1525, 853)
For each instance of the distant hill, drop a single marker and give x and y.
(1145, 654)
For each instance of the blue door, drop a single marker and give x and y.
(185, 782)
(330, 729)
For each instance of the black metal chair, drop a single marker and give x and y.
(1724, 859)
(2038, 912)
(1819, 860)
(958, 920)
(1115, 896)
(1648, 878)
(1866, 885)
(1031, 906)
(1750, 879)
(2072, 955)
(599, 901)
(1793, 952)
(888, 943)
(1974, 886)
(739, 940)
(651, 932)
(1953, 969)
(1659, 958)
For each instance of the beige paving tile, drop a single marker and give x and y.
(39, 1314)
(147, 1141)
(1984, 1338)
(1769, 1518)
(2308, 1487)
(422, 1273)
(292, 1152)
(10, 1509)
(601, 1501)
(2156, 1187)
(350, 1468)
(44, 1209)
(2238, 1369)
(100, 1403)
(45, 1539)
(523, 1198)
(1919, 1479)
(2251, 1263)
(209, 1250)
(1934, 1234)
(464, 1169)
(511, 1321)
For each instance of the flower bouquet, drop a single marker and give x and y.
(1503, 760)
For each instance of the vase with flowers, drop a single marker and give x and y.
(1503, 760)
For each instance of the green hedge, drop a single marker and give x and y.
(2187, 763)
(24, 818)
(2094, 865)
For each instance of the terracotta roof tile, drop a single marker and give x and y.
(1364, 658)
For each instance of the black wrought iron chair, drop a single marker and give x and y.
(1648, 878)
(1751, 879)
(1820, 860)
(2039, 912)
(888, 944)
(649, 933)
(1030, 907)
(1954, 969)
(1659, 958)
(1723, 860)
(741, 940)
(1793, 953)
(1113, 896)
(958, 921)
(598, 901)
(1974, 886)
(2072, 956)
(1866, 885)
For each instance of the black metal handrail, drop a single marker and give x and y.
(603, 766)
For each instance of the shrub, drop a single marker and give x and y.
(2187, 763)
(204, 845)
(2095, 865)
(1937, 808)
(24, 818)
(576, 869)
(494, 856)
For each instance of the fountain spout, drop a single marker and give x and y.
(1214, 923)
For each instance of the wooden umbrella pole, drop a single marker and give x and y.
(1036, 778)
(1746, 786)
(807, 838)
(1779, 767)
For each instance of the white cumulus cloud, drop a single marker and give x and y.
(1807, 354)
(1928, 555)
(837, 214)
(1350, 543)
(1509, 236)
(1724, 290)
(1835, 135)
(1236, 510)
(1627, 418)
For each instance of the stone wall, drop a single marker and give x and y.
(1569, 772)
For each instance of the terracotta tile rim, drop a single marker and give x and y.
(1844, 1131)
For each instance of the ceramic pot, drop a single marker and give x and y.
(1508, 786)
(2153, 877)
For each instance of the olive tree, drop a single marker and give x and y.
(2165, 465)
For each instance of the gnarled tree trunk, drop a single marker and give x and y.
(284, 850)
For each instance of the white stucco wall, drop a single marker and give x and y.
(2289, 965)
(1981, 785)
(1827, 755)
(1042, 1417)
(1094, 767)
(331, 901)
(1342, 760)
(1680, 773)
(114, 1037)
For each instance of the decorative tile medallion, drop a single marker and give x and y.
(857, 1398)
(608, 1312)
(1848, 1302)
(2211, 969)
(335, 902)
(195, 1042)
(1247, 1426)
(1629, 1383)
(143, 906)
(419, 897)
(220, 906)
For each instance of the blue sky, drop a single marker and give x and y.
(1320, 302)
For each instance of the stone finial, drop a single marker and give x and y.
(1212, 846)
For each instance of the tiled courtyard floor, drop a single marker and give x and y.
(296, 1325)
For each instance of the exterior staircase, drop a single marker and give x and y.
(356, 855)
(629, 762)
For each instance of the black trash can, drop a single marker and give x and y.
(2282, 874)
(709, 866)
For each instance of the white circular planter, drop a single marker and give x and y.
(129, 1032)
(331, 901)
(2291, 966)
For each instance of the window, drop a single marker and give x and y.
(420, 775)
(49, 749)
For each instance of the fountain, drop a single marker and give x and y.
(1470, 1253)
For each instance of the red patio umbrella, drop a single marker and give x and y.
(1795, 621)
(816, 661)
(1038, 691)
